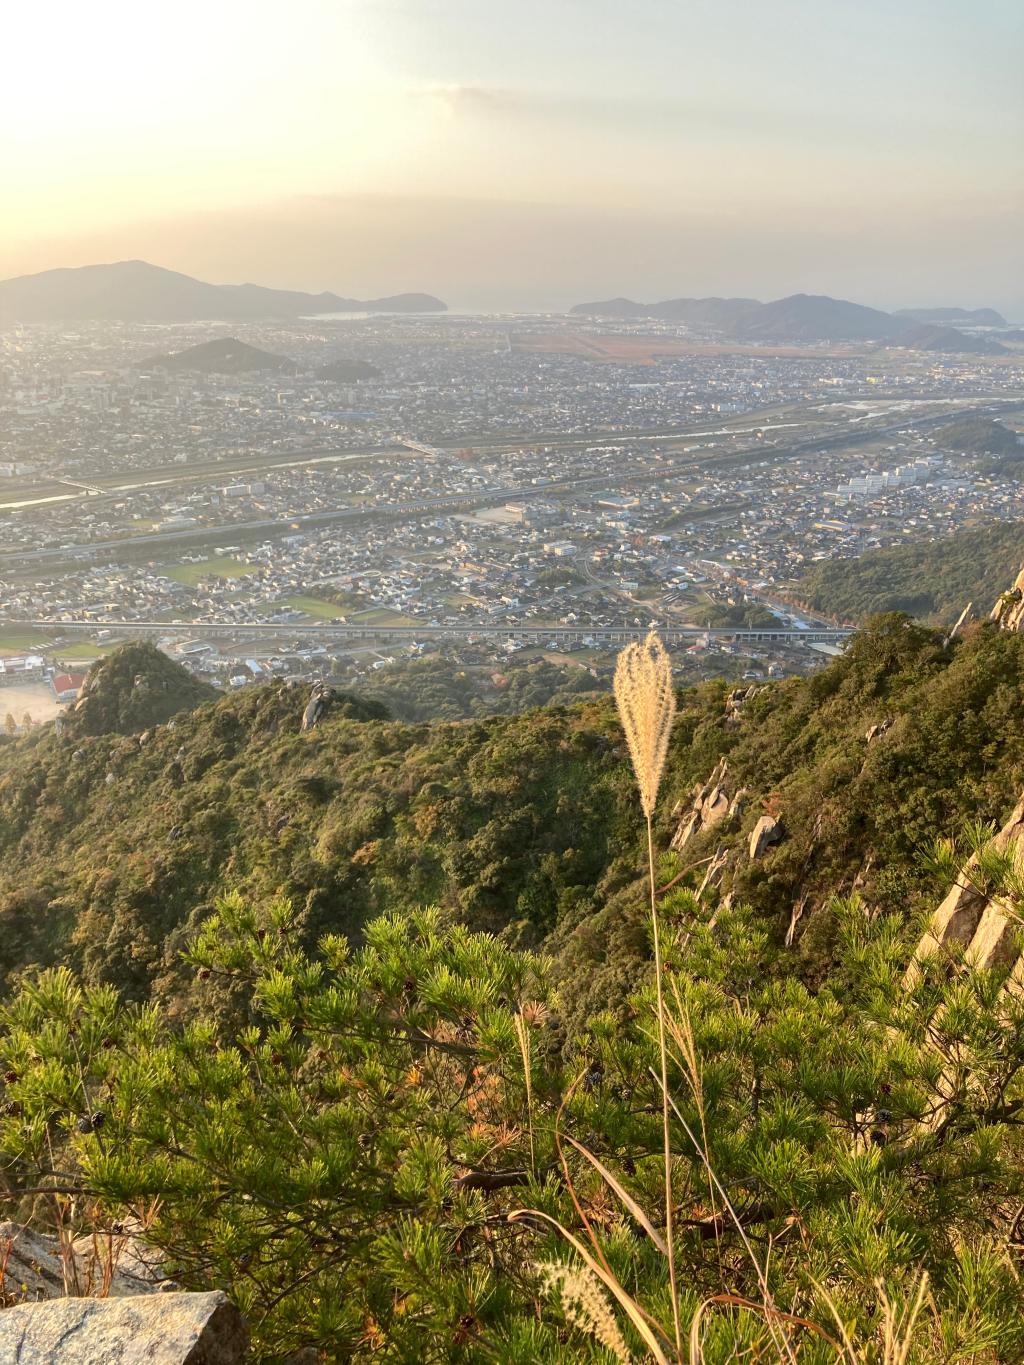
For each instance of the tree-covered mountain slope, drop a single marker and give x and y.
(114, 846)
(932, 580)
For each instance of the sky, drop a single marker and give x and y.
(525, 153)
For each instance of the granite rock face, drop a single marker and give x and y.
(708, 805)
(34, 1267)
(968, 920)
(1008, 612)
(766, 832)
(150, 1329)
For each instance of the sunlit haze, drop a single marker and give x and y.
(525, 155)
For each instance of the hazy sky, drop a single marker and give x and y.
(530, 152)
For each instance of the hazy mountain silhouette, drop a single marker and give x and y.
(929, 336)
(816, 317)
(135, 291)
(802, 317)
(718, 314)
(974, 317)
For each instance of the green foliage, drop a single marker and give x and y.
(346, 1160)
(311, 1163)
(134, 687)
(113, 848)
(746, 615)
(985, 436)
(437, 689)
(933, 580)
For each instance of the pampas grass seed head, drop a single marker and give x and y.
(647, 704)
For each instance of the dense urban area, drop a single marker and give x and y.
(341, 495)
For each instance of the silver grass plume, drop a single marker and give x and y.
(647, 705)
(585, 1305)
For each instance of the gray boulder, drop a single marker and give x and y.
(766, 832)
(155, 1329)
(35, 1267)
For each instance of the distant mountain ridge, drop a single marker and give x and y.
(972, 317)
(805, 317)
(135, 291)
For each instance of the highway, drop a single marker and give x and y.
(322, 631)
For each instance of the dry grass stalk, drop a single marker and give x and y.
(647, 705)
(646, 701)
(586, 1305)
(898, 1328)
(523, 1039)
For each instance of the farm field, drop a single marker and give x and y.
(81, 651)
(223, 567)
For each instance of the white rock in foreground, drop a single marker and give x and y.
(158, 1329)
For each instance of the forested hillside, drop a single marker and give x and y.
(394, 1132)
(114, 846)
(931, 580)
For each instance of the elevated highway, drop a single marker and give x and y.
(323, 631)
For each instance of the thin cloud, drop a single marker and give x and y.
(458, 97)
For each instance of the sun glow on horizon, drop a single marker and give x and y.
(745, 129)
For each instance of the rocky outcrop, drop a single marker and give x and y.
(766, 832)
(132, 689)
(961, 621)
(36, 1267)
(736, 701)
(1008, 612)
(707, 806)
(969, 921)
(876, 731)
(158, 1329)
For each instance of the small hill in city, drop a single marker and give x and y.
(932, 580)
(135, 291)
(223, 355)
(968, 317)
(980, 436)
(929, 336)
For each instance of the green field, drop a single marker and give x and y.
(380, 616)
(191, 574)
(314, 606)
(83, 650)
(19, 641)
